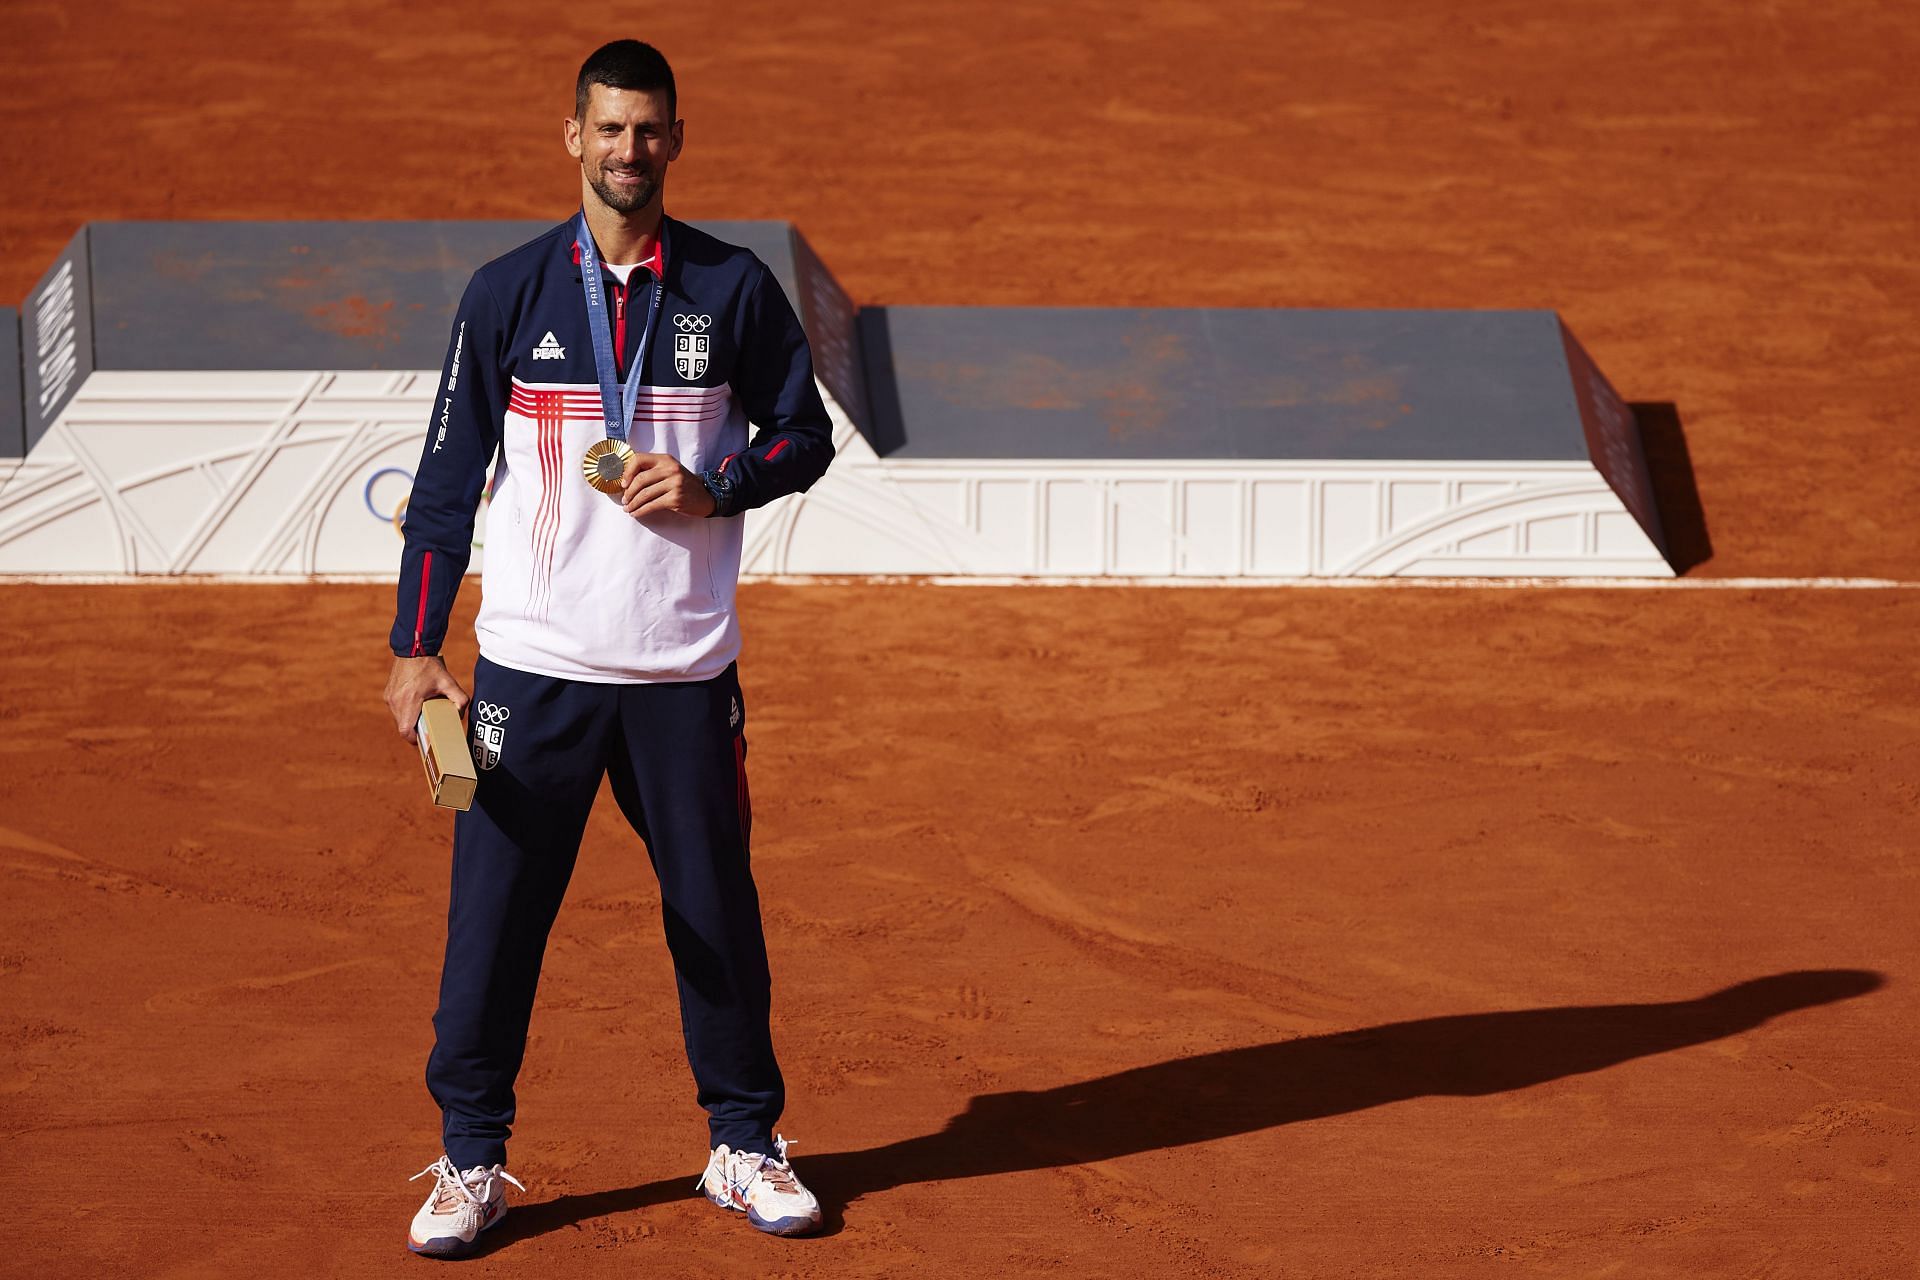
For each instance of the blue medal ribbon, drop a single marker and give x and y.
(617, 403)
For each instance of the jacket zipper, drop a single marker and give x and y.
(420, 619)
(620, 328)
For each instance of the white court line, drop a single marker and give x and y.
(1422, 584)
(918, 580)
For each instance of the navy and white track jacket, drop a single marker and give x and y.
(572, 585)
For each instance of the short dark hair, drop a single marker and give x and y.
(625, 64)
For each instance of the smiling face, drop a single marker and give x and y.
(624, 141)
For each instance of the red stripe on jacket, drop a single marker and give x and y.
(420, 618)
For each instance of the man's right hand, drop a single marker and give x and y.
(412, 682)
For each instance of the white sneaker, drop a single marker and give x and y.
(762, 1187)
(459, 1208)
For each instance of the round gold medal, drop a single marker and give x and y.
(606, 464)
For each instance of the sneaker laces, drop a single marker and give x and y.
(743, 1167)
(451, 1186)
(774, 1169)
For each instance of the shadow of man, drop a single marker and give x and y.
(1237, 1091)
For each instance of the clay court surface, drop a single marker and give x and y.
(1186, 933)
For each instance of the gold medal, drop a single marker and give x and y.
(606, 465)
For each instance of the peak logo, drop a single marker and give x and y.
(549, 349)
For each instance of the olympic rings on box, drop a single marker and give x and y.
(400, 509)
(399, 512)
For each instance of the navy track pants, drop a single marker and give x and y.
(676, 756)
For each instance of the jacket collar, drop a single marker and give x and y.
(656, 263)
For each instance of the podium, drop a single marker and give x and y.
(249, 399)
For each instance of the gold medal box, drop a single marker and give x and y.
(444, 754)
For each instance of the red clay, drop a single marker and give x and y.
(1187, 933)
(1042, 860)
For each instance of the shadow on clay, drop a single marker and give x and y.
(1670, 465)
(1239, 1091)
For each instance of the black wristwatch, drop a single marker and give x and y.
(725, 490)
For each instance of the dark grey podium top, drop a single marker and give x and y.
(308, 295)
(921, 382)
(13, 404)
(954, 382)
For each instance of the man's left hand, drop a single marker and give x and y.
(657, 482)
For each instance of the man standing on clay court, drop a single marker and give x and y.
(614, 365)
